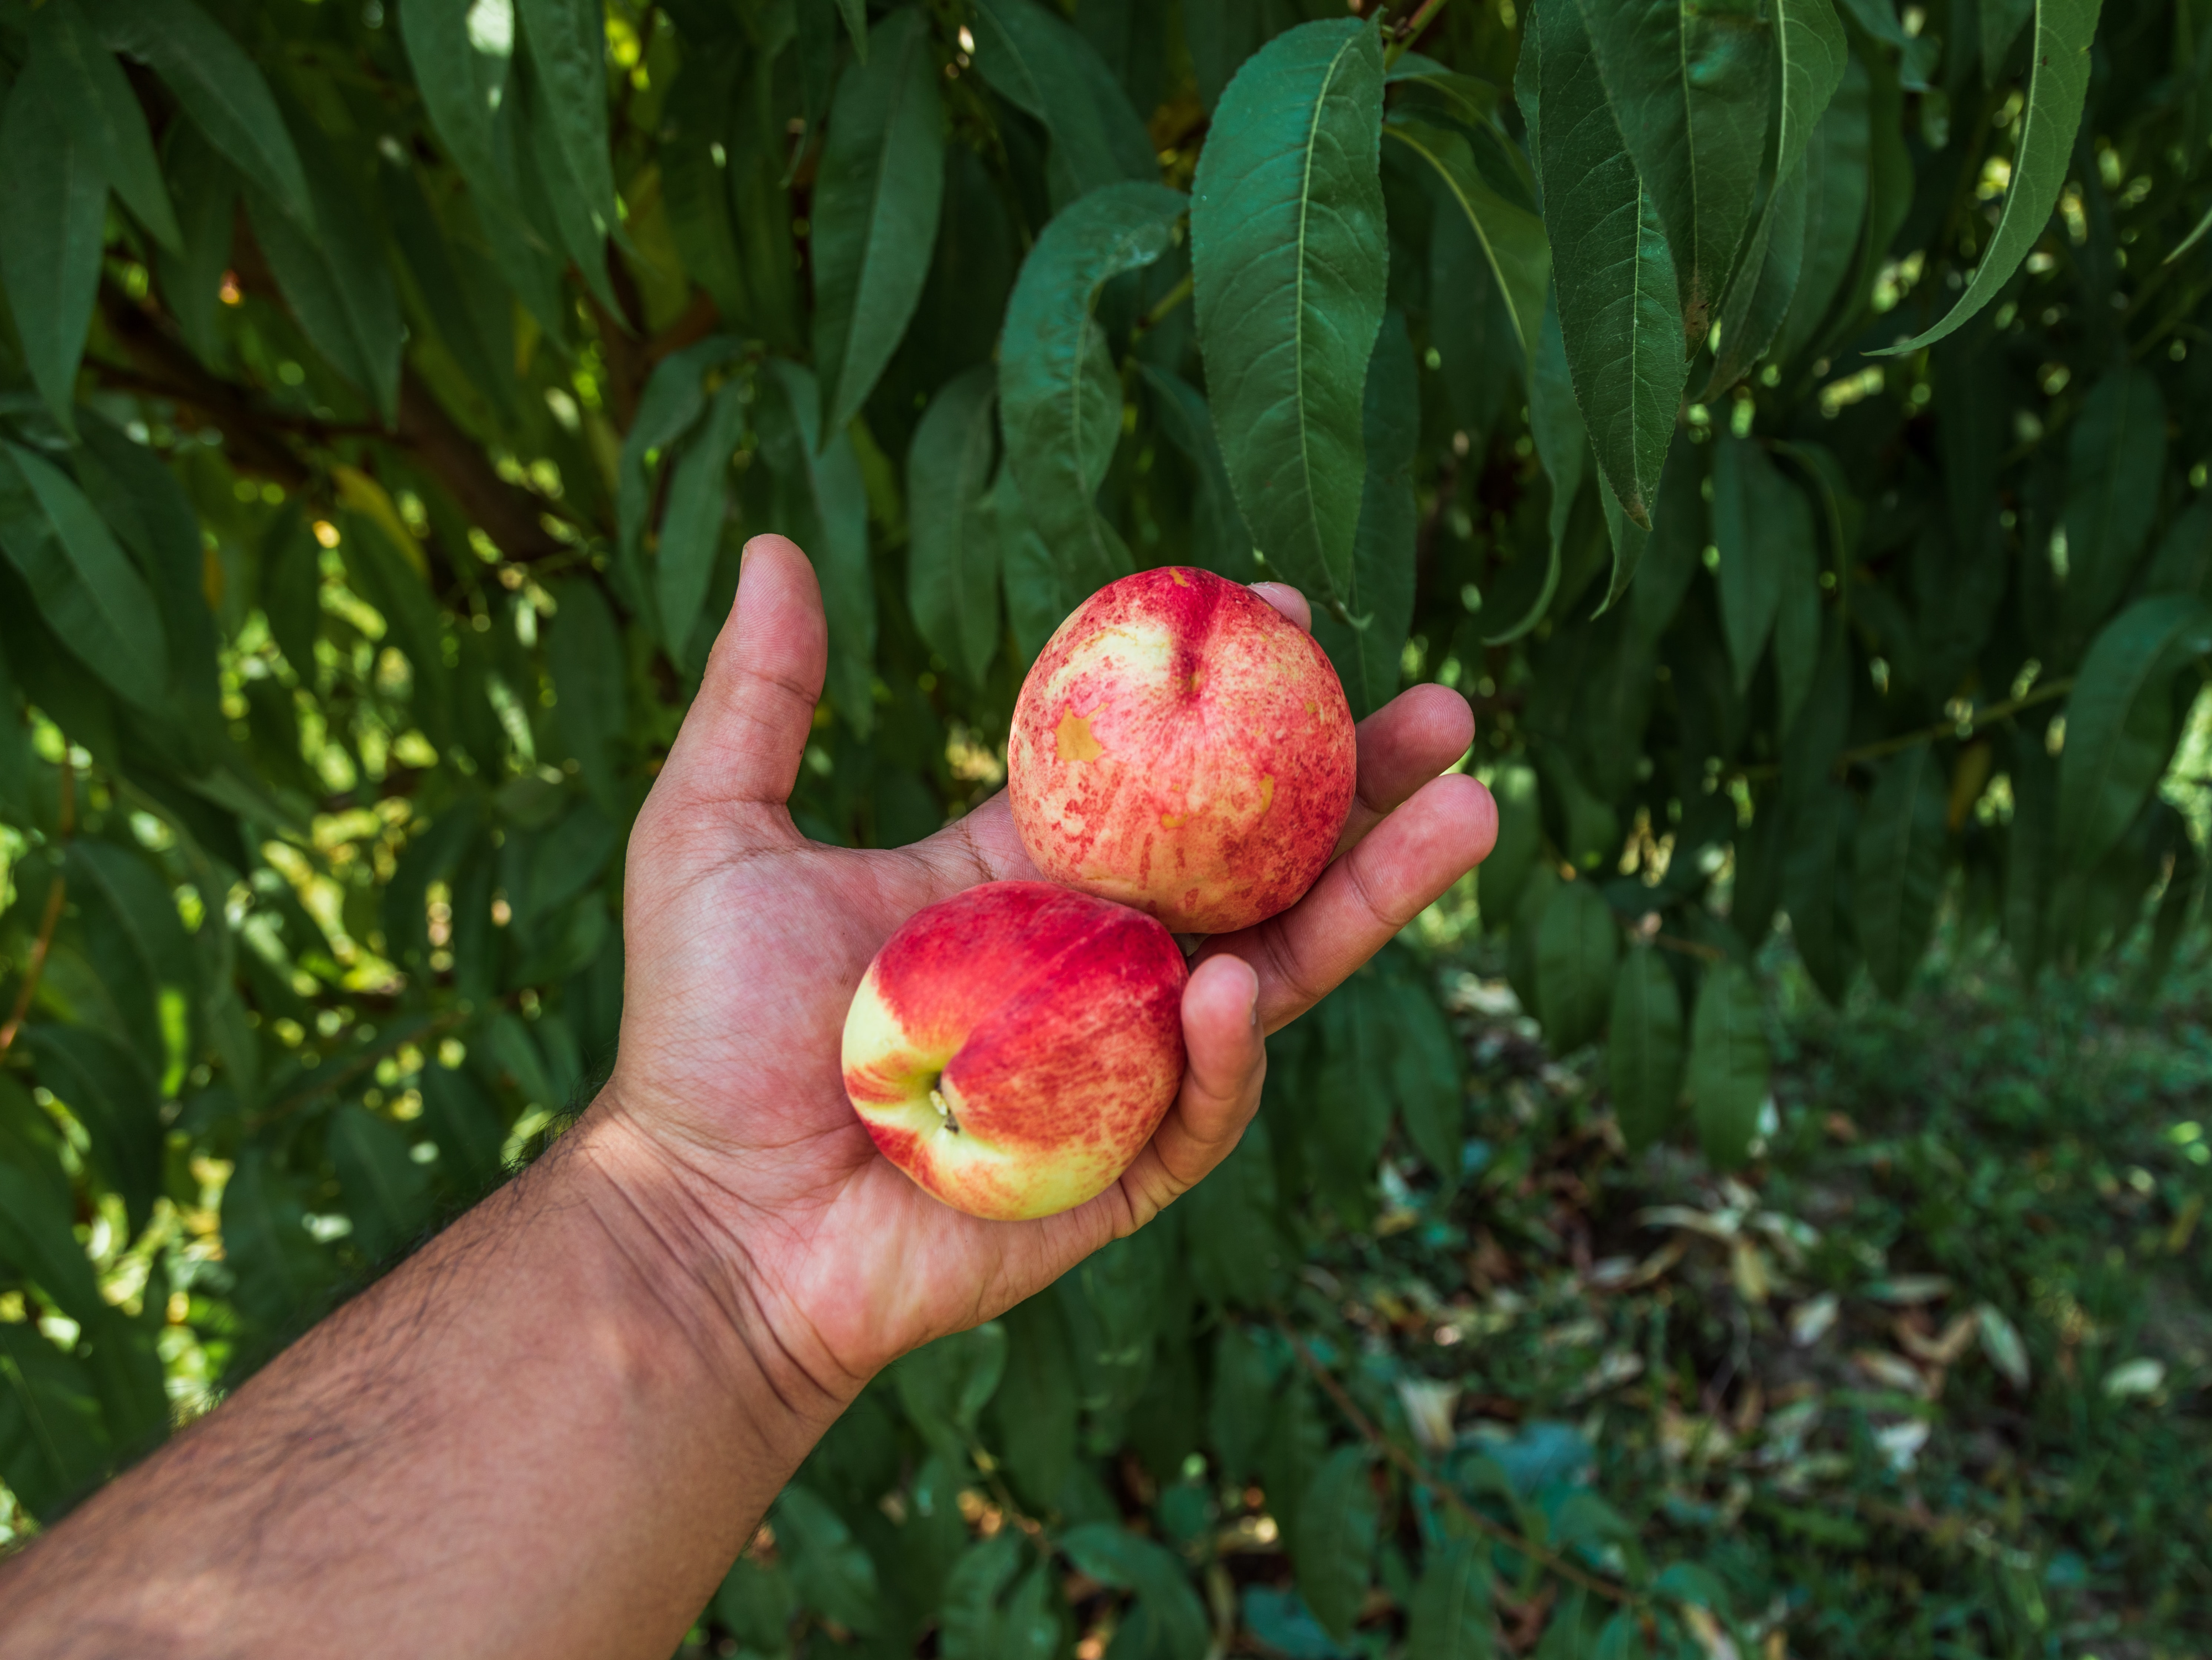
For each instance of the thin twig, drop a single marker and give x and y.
(1410, 30)
(1406, 1462)
(64, 821)
(1973, 724)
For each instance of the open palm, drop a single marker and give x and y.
(744, 941)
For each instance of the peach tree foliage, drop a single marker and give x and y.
(1785, 421)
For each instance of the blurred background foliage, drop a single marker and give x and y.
(1785, 422)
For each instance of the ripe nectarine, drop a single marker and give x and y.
(1012, 1049)
(1182, 746)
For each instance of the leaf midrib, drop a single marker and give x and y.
(1299, 309)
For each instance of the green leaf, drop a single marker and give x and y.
(1450, 1617)
(1060, 399)
(461, 56)
(2115, 459)
(386, 1192)
(952, 562)
(824, 506)
(1036, 1401)
(945, 1385)
(451, 286)
(584, 652)
(1037, 597)
(1045, 67)
(1620, 308)
(834, 1574)
(1576, 945)
(1728, 1069)
(1512, 235)
(280, 1269)
(105, 1086)
(335, 276)
(52, 1445)
(470, 1133)
(1235, 1249)
(1290, 258)
(83, 83)
(1221, 540)
(1809, 41)
(1367, 652)
(1644, 1054)
(88, 592)
(1500, 879)
(53, 207)
(2057, 84)
(1426, 1076)
(876, 202)
(1689, 88)
(1754, 509)
(1758, 299)
(142, 907)
(1335, 1539)
(1797, 613)
(757, 1600)
(1555, 424)
(2120, 722)
(691, 524)
(671, 404)
(1900, 866)
(1837, 166)
(973, 1626)
(569, 51)
(1114, 1557)
(219, 87)
(38, 1209)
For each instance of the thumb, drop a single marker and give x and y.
(746, 732)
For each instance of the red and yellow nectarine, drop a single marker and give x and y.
(1182, 746)
(1013, 1048)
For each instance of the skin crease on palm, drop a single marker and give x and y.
(548, 1431)
(730, 1065)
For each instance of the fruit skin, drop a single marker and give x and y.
(1182, 746)
(1050, 1022)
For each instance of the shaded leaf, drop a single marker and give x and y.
(1900, 866)
(87, 590)
(1688, 87)
(1060, 399)
(824, 506)
(1576, 946)
(1289, 255)
(219, 86)
(1044, 67)
(2058, 82)
(876, 202)
(1511, 235)
(1728, 1067)
(1643, 1049)
(952, 563)
(1450, 1617)
(85, 86)
(2120, 722)
(1619, 309)
(1335, 1539)
(53, 205)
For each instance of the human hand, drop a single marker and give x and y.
(744, 941)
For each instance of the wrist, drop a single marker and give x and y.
(676, 1237)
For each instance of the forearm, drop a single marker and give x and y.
(547, 1433)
